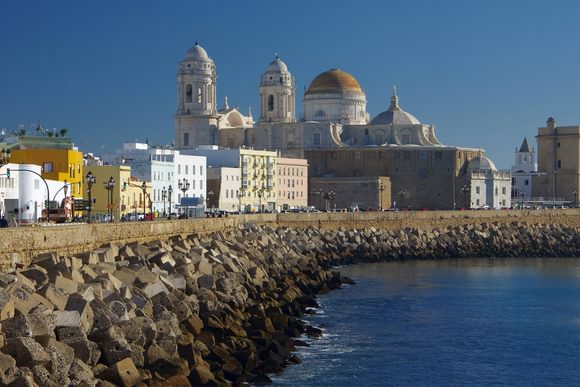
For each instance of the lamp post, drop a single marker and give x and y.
(575, 194)
(4, 156)
(329, 195)
(163, 197)
(110, 186)
(144, 188)
(241, 194)
(208, 199)
(401, 194)
(169, 195)
(465, 189)
(183, 185)
(91, 179)
(381, 189)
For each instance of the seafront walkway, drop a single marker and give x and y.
(18, 245)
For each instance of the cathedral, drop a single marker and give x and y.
(334, 132)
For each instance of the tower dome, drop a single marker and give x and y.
(335, 96)
(277, 93)
(395, 115)
(197, 52)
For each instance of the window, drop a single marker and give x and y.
(186, 169)
(559, 164)
(406, 139)
(422, 155)
(178, 169)
(320, 113)
(526, 182)
(47, 167)
(503, 190)
(270, 103)
(316, 139)
(496, 191)
(477, 191)
(188, 94)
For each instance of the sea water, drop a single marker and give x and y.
(450, 322)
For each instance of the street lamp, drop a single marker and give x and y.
(183, 185)
(91, 179)
(4, 156)
(259, 192)
(381, 189)
(402, 195)
(163, 197)
(575, 194)
(144, 188)
(110, 186)
(329, 196)
(465, 189)
(208, 199)
(241, 194)
(169, 195)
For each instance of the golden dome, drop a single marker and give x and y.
(334, 81)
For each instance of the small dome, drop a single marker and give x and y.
(482, 163)
(277, 66)
(334, 81)
(395, 115)
(197, 52)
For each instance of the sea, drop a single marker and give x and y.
(513, 322)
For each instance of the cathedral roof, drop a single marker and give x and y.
(525, 147)
(334, 81)
(395, 115)
(481, 162)
(197, 52)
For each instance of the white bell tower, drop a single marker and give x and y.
(196, 115)
(277, 94)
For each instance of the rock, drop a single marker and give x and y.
(26, 351)
(8, 369)
(122, 373)
(55, 295)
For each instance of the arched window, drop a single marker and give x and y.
(188, 94)
(270, 103)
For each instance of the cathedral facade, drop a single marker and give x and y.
(335, 132)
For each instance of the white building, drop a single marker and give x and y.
(487, 187)
(23, 194)
(524, 168)
(223, 184)
(173, 176)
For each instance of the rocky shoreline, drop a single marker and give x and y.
(218, 309)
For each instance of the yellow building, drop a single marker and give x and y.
(127, 193)
(64, 165)
(259, 171)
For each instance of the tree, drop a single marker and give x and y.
(63, 132)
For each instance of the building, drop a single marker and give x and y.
(523, 170)
(487, 187)
(178, 180)
(353, 193)
(558, 179)
(24, 193)
(113, 192)
(223, 187)
(335, 133)
(57, 157)
(259, 174)
(292, 184)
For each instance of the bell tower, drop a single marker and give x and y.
(196, 114)
(277, 94)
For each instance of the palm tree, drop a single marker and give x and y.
(63, 132)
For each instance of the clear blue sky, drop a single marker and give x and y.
(485, 73)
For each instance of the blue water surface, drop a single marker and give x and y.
(445, 323)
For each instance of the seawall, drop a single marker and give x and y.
(19, 245)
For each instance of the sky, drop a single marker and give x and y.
(486, 74)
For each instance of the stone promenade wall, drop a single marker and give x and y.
(19, 245)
